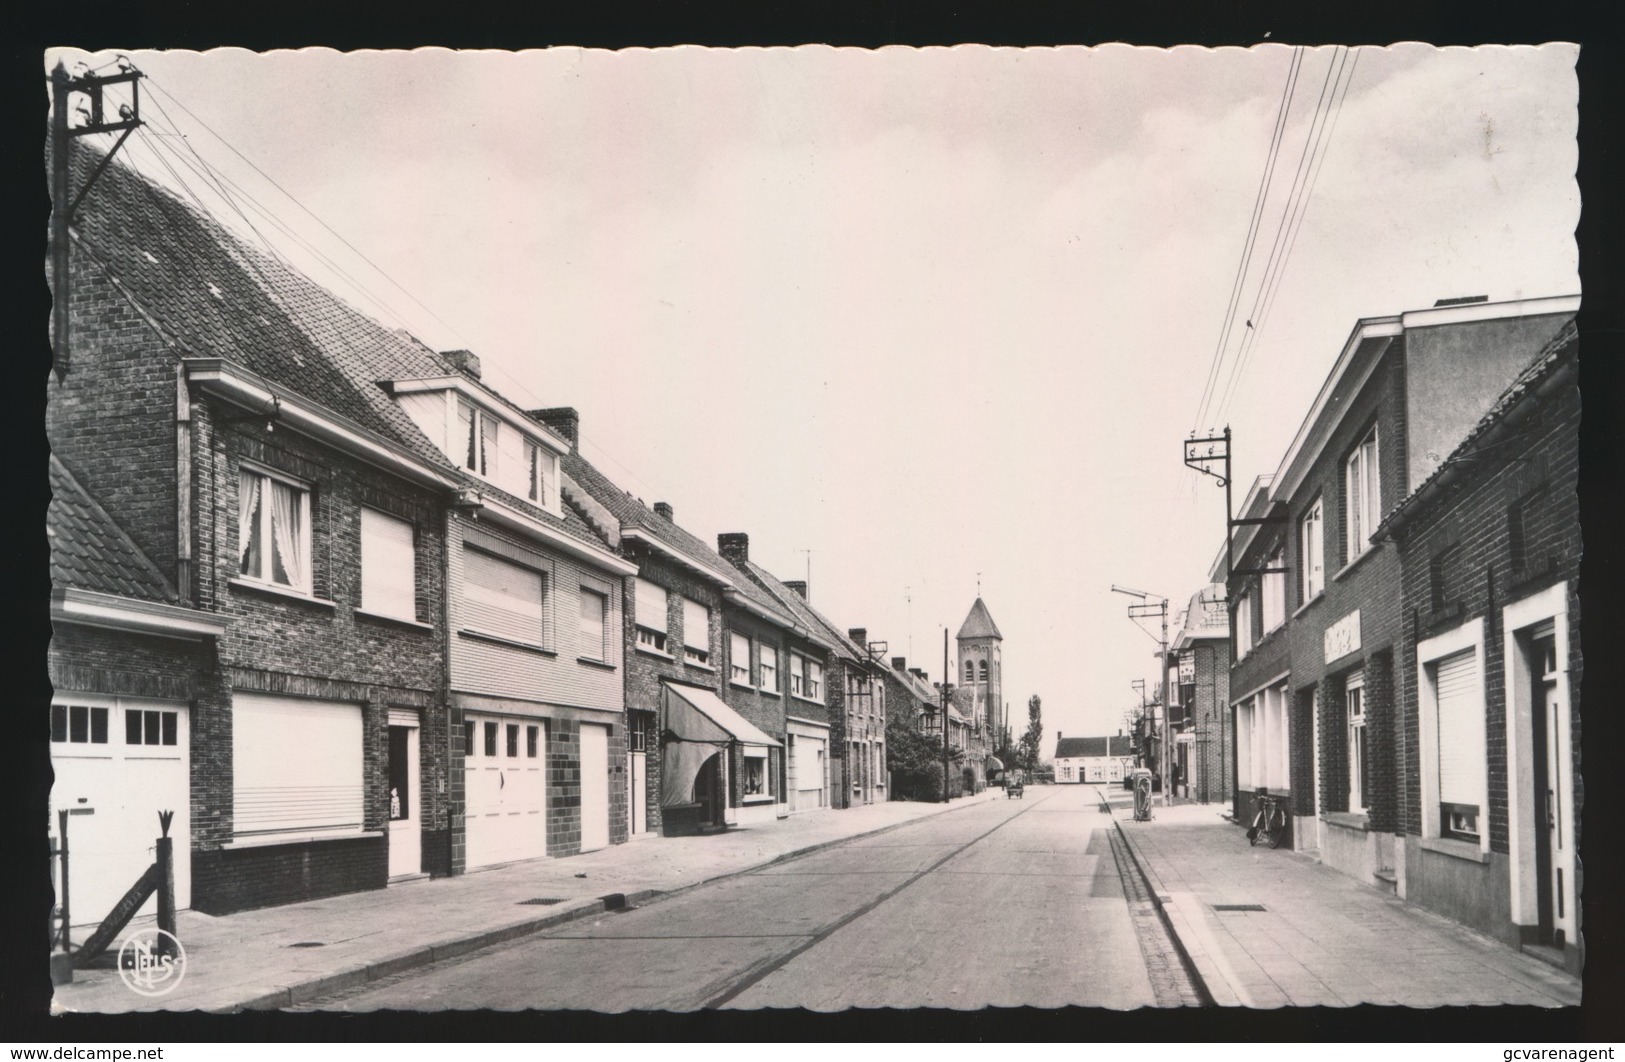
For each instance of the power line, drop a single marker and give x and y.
(1264, 181)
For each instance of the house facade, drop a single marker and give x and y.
(1092, 760)
(1487, 728)
(1315, 596)
(216, 427)
(1201, 658)
(860, 730)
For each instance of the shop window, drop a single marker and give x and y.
(753, 776)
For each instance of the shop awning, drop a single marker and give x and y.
(700, 726)
(698, 715)
(992, 763)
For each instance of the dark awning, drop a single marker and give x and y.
(700, 726)
(992, 763)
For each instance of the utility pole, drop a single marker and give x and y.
(1143, 611)
(945, 694)
(63, 205)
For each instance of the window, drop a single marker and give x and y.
(1244, 624)
(1354, 699)
(400, 774)
(770, 668)
(505, 600)
(798, 675)
(273, 530)
(739, 658)
(594, 612)
(815, 680)
(1274, 591)
(388, 566)
(148, 727)
(296, 765)
(970, 672)
(651, 616)
(1459, 745)
(1262, 740)
(532, 732)
(513, 740)
(1362, 494)
(1312, 551)
(696, 633)
(983, 670)
(1444, 577)
(753, 775)
(490, 739)
(468, 737)
(79, 725)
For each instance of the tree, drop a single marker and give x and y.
(915, 762)
(1032, 741)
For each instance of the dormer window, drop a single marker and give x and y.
(489, 442)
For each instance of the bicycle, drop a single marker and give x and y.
(1270, 822)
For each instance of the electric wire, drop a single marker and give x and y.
(1282, 111)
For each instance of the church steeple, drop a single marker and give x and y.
(979, 624)
(980, 666)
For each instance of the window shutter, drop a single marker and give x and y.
(503, 599)
(1461, 730)
(296, 765)
(696, 626)
(651, 603)
(388, 566)
(739, 656)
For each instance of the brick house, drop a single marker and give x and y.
(271, 485)
(707, 675)
(852, 723)
(914, 700)
(1487, 728)
(1201, 711)
(1316, 634)
(1095, 760)
(534, 646)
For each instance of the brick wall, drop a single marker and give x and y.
(1498, 558)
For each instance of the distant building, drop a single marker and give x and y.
(1200, 715)
(1092, 759)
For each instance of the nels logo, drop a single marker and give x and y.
(151, 962)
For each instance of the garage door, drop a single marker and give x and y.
(118, 762)
(594, 786)
(505, 789)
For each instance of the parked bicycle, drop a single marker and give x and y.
(1269, 823)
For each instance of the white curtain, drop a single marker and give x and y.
(289, 535)
(248, 507)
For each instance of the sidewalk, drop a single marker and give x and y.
(1321, 938)
(280, 956)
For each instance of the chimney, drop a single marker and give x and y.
(798, 586)
(564, 420)
(859, 635)
(464, 361)
(735, 546)
(919, 674)
(899, 663)
(663, 509)
(1057, 735)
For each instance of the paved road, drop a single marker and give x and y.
(1001, 903)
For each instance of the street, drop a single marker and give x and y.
(1005, 903)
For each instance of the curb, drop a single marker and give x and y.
(354, 976)
(1199, 966)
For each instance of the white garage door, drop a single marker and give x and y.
(505, 787)
(594, 786)
(118, 762)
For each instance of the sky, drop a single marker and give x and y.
(922, 322)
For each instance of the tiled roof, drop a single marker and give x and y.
(1079, 747)
(1206, 616)
(89, 551)
(799, 607)
(979, 623)
(633, 513)
(216, 296)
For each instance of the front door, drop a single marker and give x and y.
(594, 786)
(1553, 874)
(405, 817)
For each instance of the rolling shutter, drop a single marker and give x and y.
(696, 626)
(504, 599)
(388, 566)
(1461, 730)
(651, 602)
(296, 765)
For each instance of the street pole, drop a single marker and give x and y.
(1167, 731)
(945, 715)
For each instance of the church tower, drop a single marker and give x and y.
(980, 669)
